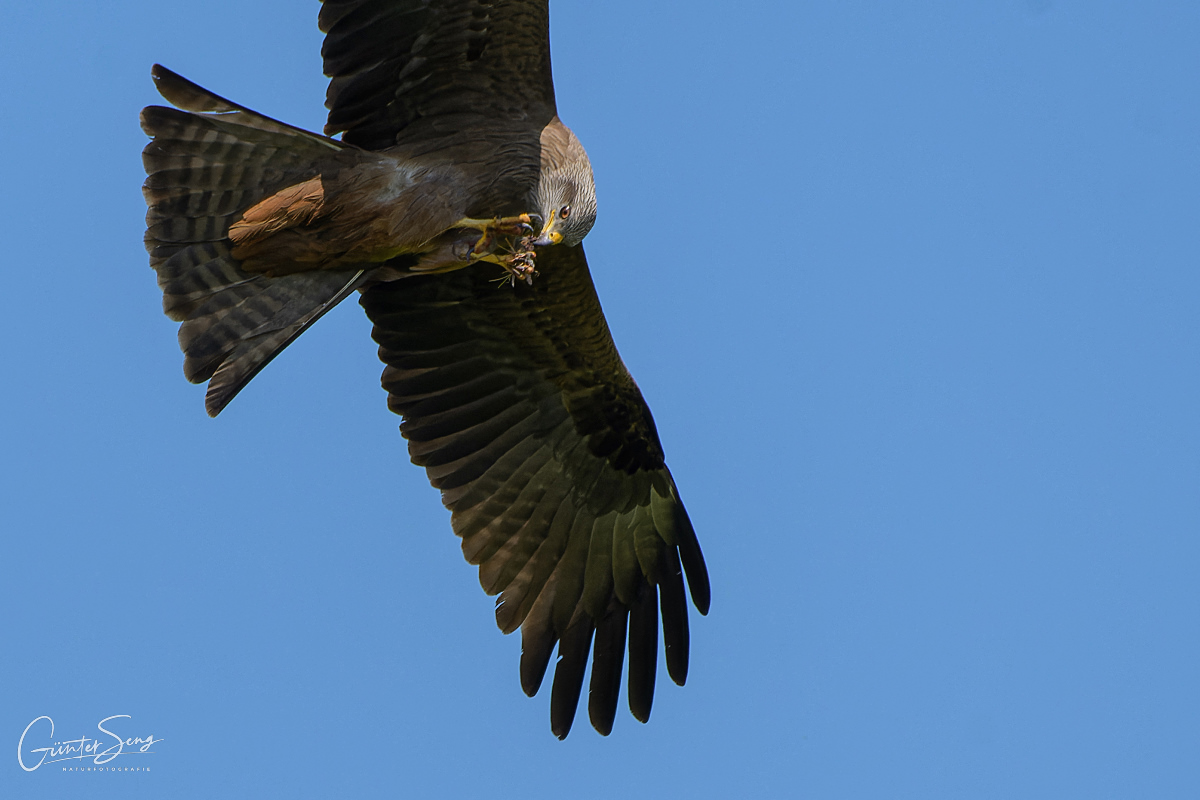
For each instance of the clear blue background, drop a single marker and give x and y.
(912, 289)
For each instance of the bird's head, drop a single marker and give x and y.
(566, 192)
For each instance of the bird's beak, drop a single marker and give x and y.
(548, 236)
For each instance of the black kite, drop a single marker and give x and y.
(514, 399)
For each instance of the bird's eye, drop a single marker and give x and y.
(564, 212)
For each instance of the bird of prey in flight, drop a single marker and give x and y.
(455, 202)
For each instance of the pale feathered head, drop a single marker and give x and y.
(566, 192)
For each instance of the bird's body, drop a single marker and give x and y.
(364, 208)
(350, 216)
(515, 401)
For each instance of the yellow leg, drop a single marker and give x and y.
(517, 261)
(505, 226)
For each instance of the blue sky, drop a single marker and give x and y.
(912, 291)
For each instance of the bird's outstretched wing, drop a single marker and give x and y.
(405, 71)
(518, 406)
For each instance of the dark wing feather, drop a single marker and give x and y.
(518, 406)
(405, 71)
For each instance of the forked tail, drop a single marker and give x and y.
(206, 165)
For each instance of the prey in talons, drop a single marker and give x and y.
(518, 264)
(507, 242)
(516, 256)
